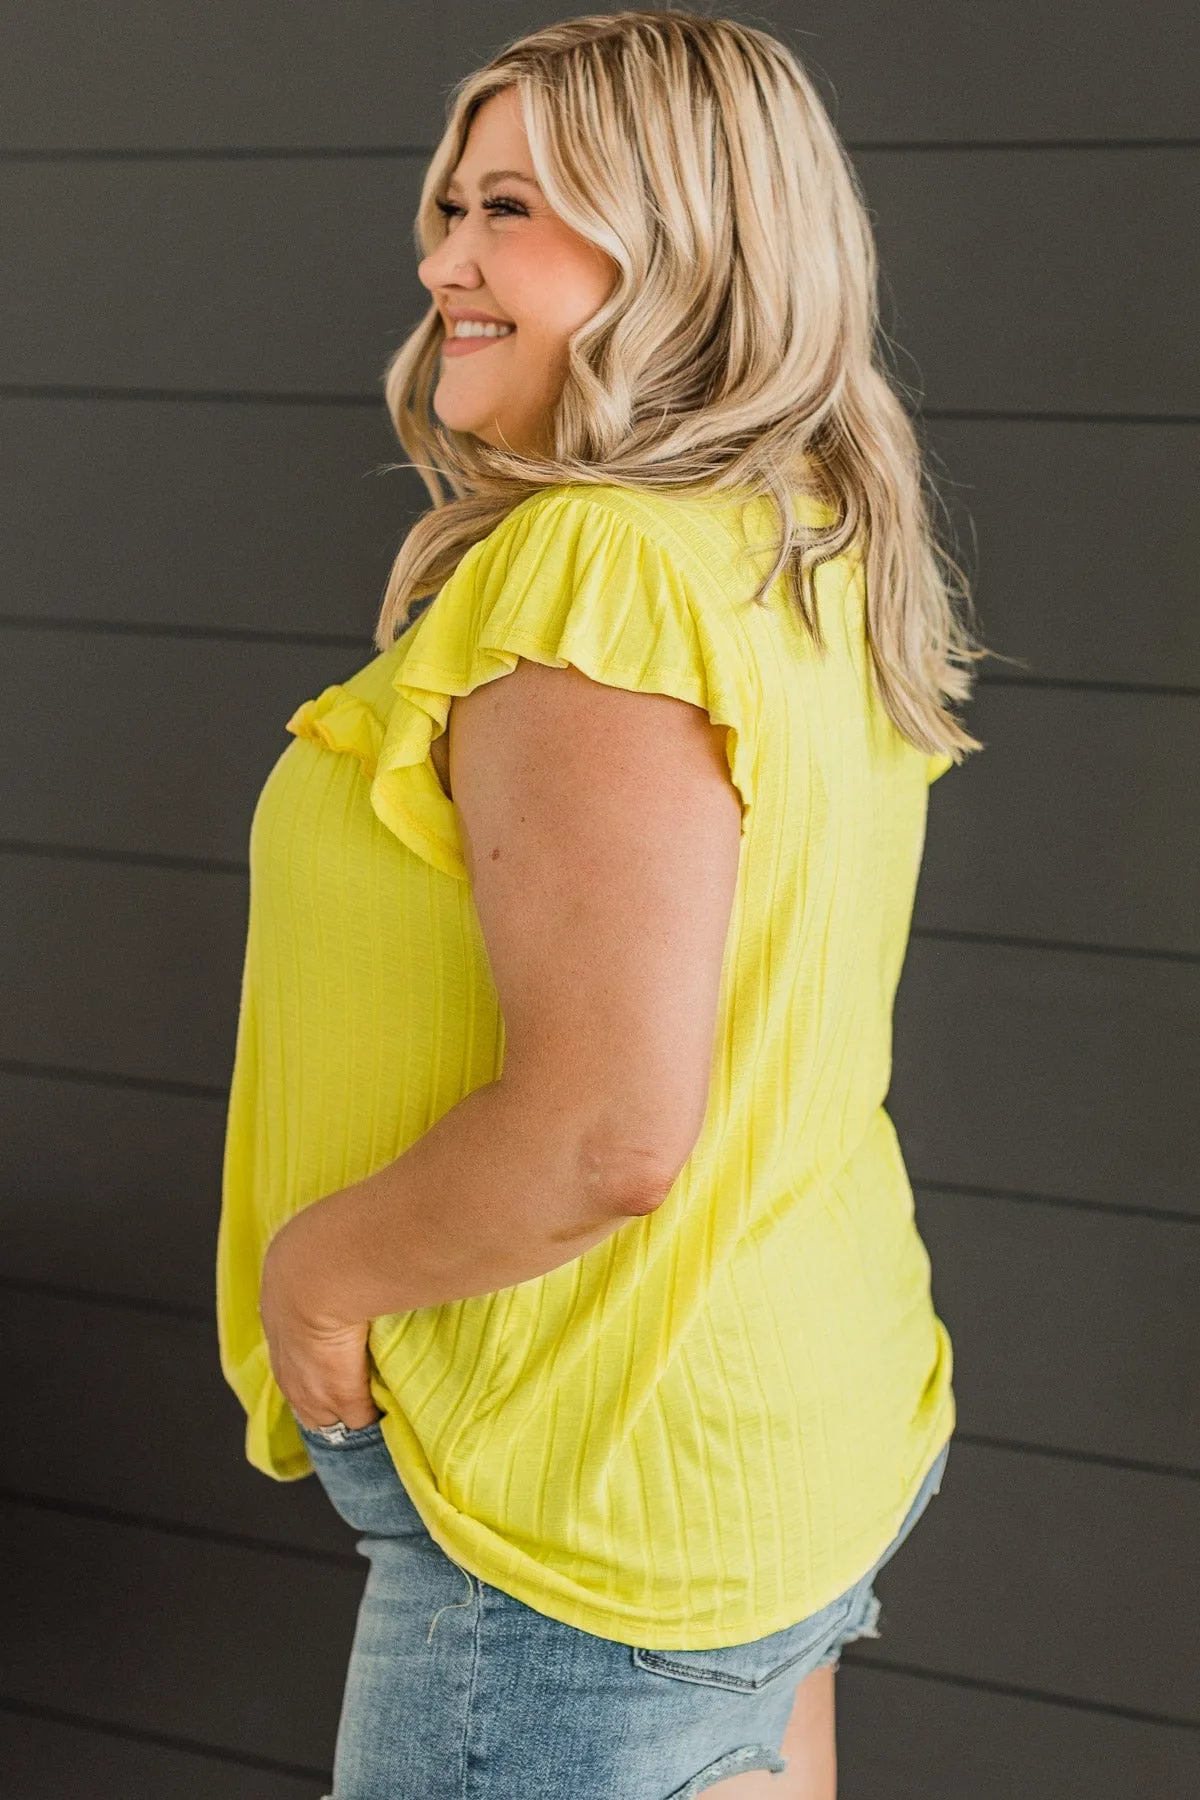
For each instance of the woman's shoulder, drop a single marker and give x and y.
(623, 562)
(606, 527)
(571, 506)
(575, 535)
(700, 524)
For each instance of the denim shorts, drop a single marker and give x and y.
(457, 1691)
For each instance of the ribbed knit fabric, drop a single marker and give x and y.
(710, 1425)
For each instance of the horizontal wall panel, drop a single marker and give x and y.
(163, 744)
(160, 1435)
(122, 970)
(1086, 542)
(267, 276)
(898, 1736)
(267, 518)
(901, 1736)
(1049, 1072)
(117, 1191)
(46, 1759)
(1007, 850)
(1000, 284)
(1039, 1572)
(1076, 1570)
(193, 513)
(363, 75)
(1082, 68)
(1072, 1329)
(111, 1189)
(1020, 838)
(238, 1649)
(155, 76)
(1041, 1071)
(998, 265)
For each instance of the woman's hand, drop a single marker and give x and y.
(321, 1364)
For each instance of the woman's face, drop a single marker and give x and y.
(509, 258)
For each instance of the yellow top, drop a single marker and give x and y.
(709, 1425)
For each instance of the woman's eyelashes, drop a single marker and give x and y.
(448, 210)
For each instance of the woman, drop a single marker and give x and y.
(564, 1232)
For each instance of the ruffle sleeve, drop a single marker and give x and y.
(565, 578)
(339, 720)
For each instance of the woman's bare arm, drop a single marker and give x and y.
(602, 834)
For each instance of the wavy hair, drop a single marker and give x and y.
(740, 348)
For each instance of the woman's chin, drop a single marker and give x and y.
(473, 419)
(487, 431)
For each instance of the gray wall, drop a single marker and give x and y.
(210, 257)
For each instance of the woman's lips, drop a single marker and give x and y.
(453, 346)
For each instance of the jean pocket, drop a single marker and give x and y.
(748, 1668)
(361, 1481)
(351, 1436)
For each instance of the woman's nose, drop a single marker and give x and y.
(431, 270)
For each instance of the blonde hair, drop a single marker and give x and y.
(738, 350)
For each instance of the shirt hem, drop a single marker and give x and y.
(615, 1626)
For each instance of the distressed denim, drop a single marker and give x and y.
(457, 1691)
